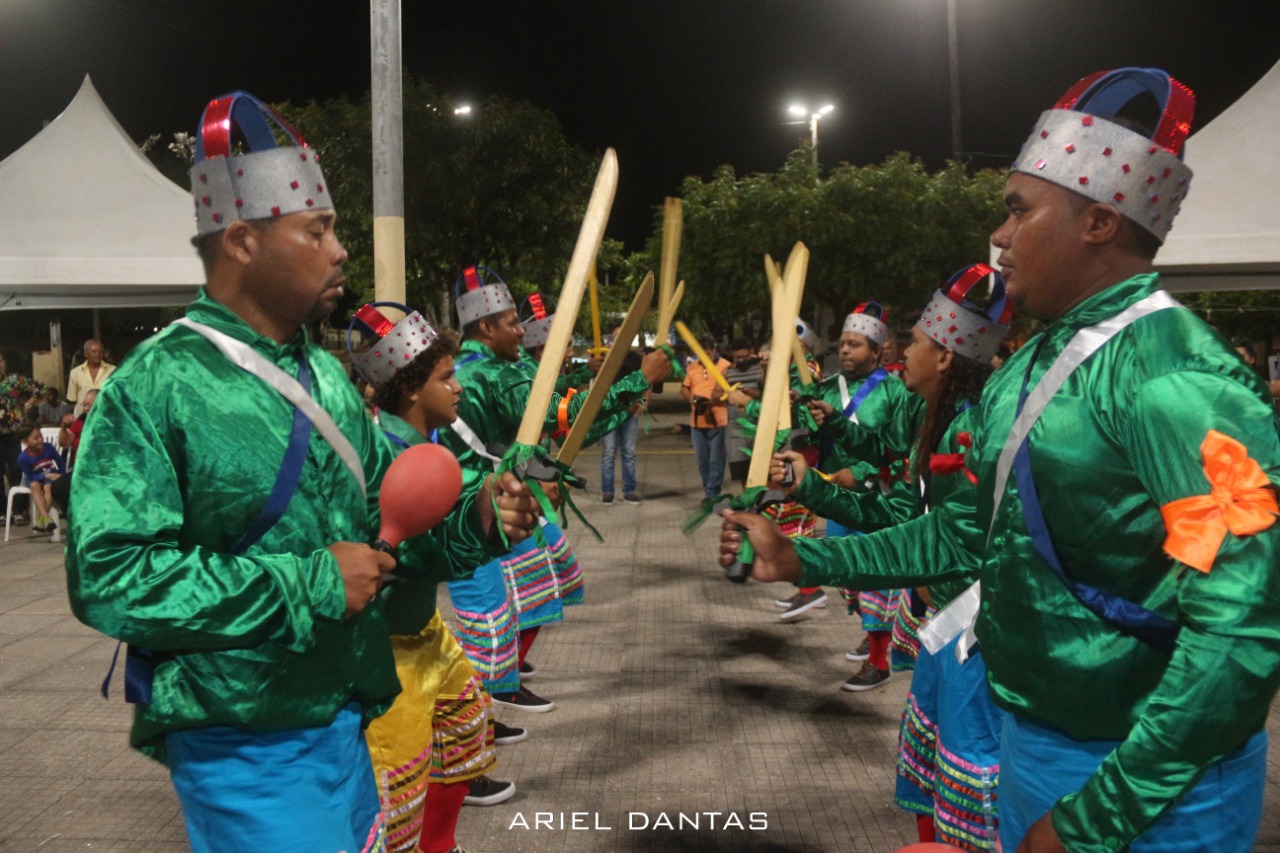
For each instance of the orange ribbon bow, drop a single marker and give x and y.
(1240, 501)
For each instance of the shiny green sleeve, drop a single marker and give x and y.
(1225, 669)
(860, 509)
(919, 552)
(621, 394)
(454, 548)
(130, 577)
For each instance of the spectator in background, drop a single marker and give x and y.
(91, 374)
(747, 372)
(41, 466)
(891, 353)
(73, 425)
(708, 417)
(51, 411)
(622, 438)
(1246, 350)
(19, 397)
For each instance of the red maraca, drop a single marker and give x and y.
(418, 490)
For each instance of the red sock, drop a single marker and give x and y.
(809, 590)
(879, 643)
(527, 636)
(440, 816)
(924, 829)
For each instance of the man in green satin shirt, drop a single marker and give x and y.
(269, 649)
(1154, 464)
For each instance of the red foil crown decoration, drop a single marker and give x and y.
(863, 321)
(268, 180)
(1109, 163)
(969, 331)
(390, 347)
(478, 298)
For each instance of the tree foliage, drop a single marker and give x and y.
(891, 232)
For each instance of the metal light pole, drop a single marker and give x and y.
(387, 95)
(953, 54)
(814, 118)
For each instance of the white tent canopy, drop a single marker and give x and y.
(1227, 236)
(86, 221)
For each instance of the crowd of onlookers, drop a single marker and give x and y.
(40, 429)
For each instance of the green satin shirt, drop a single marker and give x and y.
(495, 393)
(874, 509)
(888, 421)
(177, 460)
(456, 548)
(1120, 439)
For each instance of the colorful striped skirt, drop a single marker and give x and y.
(877, 607)
(532, 578)
(439, 730)
(793, 519)
(949, 749)
(564, 562)
(487, 626)
(906, 633)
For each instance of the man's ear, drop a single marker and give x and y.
(239, 242)
(945, 358)
(1102, 224)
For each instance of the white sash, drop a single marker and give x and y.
(244, 356)
(845, 398)
(962, 613)
(464, 432)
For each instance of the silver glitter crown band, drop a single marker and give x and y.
(477, 300)
(867, 325)
(269, 181)
(964, 328)
(1107, 163)
(393, 346)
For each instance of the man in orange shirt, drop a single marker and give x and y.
(709, 418)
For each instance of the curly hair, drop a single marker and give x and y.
(963, 380)
(391, 396)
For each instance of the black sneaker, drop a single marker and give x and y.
(862, 652)
(632, 498)
(524, 700)
(485, 791)
(504, 734)
(803, 602)
(868, 678)
(607, 500)
(527, 670)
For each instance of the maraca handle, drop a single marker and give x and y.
(741, 568)
(788, 475)
(387, 548)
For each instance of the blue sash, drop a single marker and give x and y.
(873, 380)
(140, 663)
(1126, 616)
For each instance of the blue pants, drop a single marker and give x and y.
(299, 791)
(625, 437)
(1039, 766)
(708, 448)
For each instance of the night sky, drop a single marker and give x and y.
(677, 86)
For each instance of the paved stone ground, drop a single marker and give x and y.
(678, 694)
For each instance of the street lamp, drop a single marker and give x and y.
(464, 110)
(799, 110)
